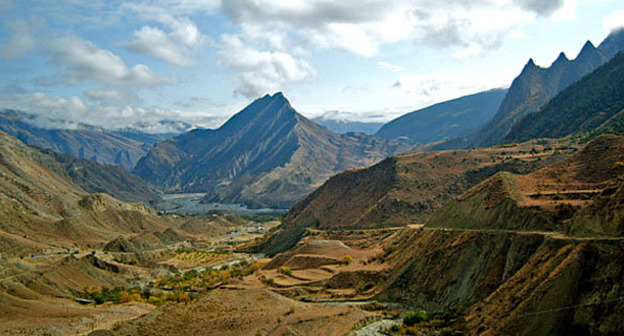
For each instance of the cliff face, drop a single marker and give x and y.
(510, 283)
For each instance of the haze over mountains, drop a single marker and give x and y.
(120, 147)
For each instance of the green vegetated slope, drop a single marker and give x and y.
(594, 102)
(448, 119)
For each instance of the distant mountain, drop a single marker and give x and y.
(123, 148)
(266, 155)
(595, 101)
(448, 119)
(95, 177)
(346, 126)
(535, 86)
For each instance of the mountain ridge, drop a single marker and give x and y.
(535, 86)
(267, 155)
(123, 147)
(587, 105)
(448, 119)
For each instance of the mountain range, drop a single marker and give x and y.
(535, 86)
(120, 147)
(593, 103)
(348, 126)
(267, 155)
(523, 237)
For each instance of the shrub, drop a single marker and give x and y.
(415, 316)
(346, 260)
(269, 281)
(286, 270)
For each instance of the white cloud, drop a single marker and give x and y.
(261, 71)
(71, 108)
(85, 62)
(439, 86)
(178, 46)
(110, 95)
(391, 67)
(362, 27)
(61, 112)
(614, 21)
(21, 42)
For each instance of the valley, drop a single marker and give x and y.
(149, 203)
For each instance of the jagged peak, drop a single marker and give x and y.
(269, 106)
(530, 66)
(588, 48)
(561, 59)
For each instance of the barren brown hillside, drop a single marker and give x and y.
(548, 199)
(408, 188)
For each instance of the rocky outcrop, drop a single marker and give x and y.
(507, 283)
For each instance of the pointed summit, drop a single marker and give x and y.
(590, 58)
(561, 60)
(588, 48)
(529, 67)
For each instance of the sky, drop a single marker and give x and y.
(138, 63)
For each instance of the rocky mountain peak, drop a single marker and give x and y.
(587, 50)
(529, 67)
(561, 60)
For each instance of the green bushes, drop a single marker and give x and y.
(415, 317)
(286, 270)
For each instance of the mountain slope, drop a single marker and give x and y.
(346, 126)
(109, 147)
(549, 199)
(95, 177)
(404, 189)
(266, 155)
(584, 106)
(40, 209)
(535, 86)
(448, 119)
